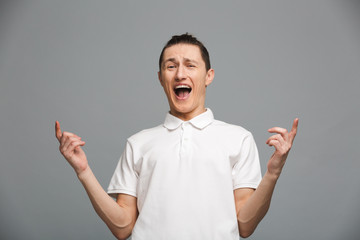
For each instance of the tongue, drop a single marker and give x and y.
(183, 93)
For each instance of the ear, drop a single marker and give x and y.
(209, 77)
(159, 77)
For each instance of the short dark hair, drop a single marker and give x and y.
(187, 39)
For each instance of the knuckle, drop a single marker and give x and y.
(68, 134)
(62, 150)
(287, 145)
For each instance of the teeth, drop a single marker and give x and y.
(182, 86)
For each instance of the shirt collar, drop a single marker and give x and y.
(200, 121)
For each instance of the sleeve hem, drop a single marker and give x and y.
(114, 192)
(246, 185)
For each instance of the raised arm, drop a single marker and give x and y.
(252, 205)
(119, 216)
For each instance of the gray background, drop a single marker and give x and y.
(93, 66)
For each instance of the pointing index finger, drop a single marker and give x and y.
(58, 133)
(295, 126)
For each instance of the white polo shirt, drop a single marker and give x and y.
(183, 174)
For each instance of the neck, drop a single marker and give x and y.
(187, 116)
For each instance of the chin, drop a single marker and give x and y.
(186, 111)
(182, 110)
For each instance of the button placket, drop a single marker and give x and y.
(185, 139)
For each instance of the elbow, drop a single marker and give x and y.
(121, 235)
(246, 228)
(121, 238)
(245, 234)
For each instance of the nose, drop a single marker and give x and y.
(181, 73)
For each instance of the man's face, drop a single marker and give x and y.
(184, 78)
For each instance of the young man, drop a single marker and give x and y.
(192, 177)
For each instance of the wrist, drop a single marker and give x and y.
(273, 176)
(82, 175)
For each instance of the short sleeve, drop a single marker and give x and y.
(125, 178)
(246, 172)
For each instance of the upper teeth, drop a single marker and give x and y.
(181, 86)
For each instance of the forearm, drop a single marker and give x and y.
(255, 208)
(116, 217)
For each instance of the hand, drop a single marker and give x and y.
(282, 142)
(70, 148)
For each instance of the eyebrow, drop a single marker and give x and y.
(175, 61)
(191, 60)
(169, 60)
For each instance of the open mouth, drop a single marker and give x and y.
(182, 91)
